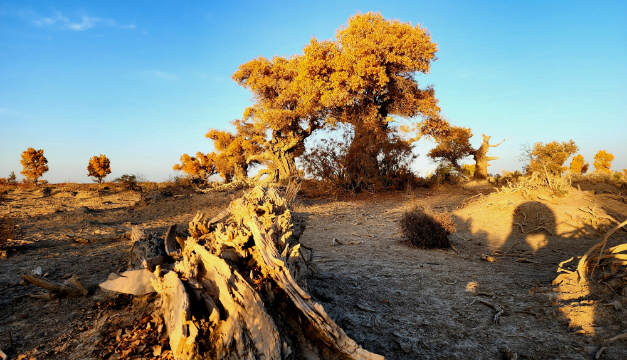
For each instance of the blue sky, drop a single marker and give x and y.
(142, 81)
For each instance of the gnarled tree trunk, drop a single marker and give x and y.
(481, 158)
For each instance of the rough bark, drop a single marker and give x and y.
(239, 289)
(482, 159)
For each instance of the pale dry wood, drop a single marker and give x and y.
(591, 253)
(175, 308)
(73, 288)
(326, 330)
(246, 314)
(135, 282)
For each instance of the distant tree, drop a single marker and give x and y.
(603, 162)
(99, 167)
(548, 157)
(34, 163)
(578, 165)
(12, 179)
(453, 145)
(453, 148)
(200, 167)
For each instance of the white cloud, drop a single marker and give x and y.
(87, 23)
(50, 20)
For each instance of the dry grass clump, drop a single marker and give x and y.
(426, 229)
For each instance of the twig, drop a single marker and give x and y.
(498, 311)
(456, 234)
(453, 247)
(510, 248)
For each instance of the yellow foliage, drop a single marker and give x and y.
(363, 77)
(468, 170)
(202, 166)
(578, 165)
(453, 147)
(551, 157)
(99, 167)
(34, 163)
(603, 162)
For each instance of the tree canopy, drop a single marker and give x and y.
(363, 77)
(549, 157)
(35, 164)
(603, 162)
(99, 167)
(578, 165)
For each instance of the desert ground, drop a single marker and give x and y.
(393, 299)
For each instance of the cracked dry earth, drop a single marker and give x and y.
(395, 300)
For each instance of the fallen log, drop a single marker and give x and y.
(238, 289)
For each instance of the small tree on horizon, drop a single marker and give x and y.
(99, 167)
(578, 165)
(34, 163)
(603, 162)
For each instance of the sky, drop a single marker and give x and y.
(143, 81)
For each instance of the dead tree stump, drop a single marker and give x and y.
(239, 289)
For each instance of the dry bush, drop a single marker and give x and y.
(128, 182)
(426, 229)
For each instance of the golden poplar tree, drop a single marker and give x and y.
(550, 157)
(199, 167)
(99, 167)
(603, 162)
(363, 77)
(578, 165)
(34, 163)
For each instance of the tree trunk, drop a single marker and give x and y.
(482, 159)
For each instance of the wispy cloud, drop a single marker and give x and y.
(165, 75)
(87, 23)
(84, 23)
(57, 17)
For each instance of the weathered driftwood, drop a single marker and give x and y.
(135, 282)
(239, 289)
(73, 287)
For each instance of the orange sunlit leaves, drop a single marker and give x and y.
(578, 165)
(34, 163)
(603, 162)
(99, 167)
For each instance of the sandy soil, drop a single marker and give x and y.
(395, 300)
